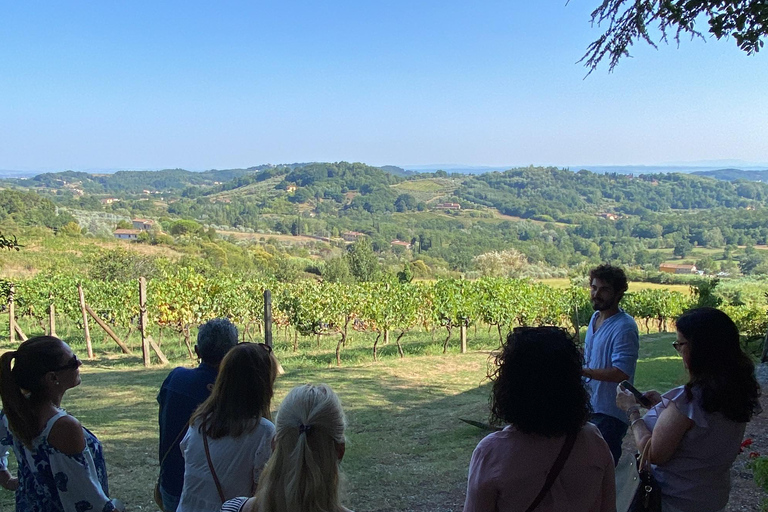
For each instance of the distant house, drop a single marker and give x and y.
(109, 200)
(400, 243)
(448, 206)
(126, 234)
(143, 224)
(677, 269)
(290, 188)
(351, 236)
(608, 215)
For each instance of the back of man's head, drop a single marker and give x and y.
(214, 339)
(614, 276)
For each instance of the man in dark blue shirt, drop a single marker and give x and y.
(182, 391)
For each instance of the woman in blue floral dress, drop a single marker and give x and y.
(60, 463)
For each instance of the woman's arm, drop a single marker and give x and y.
(670, 428)
(481, 494)
(608, 489)
(75, 472)
(7, 480)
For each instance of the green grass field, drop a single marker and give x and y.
(564, 282)
(407, 449)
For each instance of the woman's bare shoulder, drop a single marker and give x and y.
(67, 436)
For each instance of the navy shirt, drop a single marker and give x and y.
(182, 391)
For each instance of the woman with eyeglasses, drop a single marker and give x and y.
(695, 430)
(229, 438)
(60, 463)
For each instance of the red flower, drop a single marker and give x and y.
(747, 442)
(754, 455)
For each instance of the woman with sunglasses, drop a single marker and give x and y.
(695, 430)
(60, 463)
(229, 438)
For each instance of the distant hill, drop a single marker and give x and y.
(397, 171)
(135, 182)
(735, 174)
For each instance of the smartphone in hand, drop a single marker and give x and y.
(645, 402)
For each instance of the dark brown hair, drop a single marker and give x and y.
(242, 392)
(614, 276)
(722, 372)
(21, 381)
(537, 383)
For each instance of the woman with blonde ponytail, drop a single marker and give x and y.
(303, 473)
(60, 463)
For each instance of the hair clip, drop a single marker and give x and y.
(304, 429)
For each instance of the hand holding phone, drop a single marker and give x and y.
(642, 400)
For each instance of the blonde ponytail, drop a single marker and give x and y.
(303, 472)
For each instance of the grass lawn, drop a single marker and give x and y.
(407, 449)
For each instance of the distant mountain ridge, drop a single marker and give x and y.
(735, 174)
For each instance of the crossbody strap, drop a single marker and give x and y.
(210, 464)
(174, 443)
(565, 451)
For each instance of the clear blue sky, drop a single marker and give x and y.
(200, 85)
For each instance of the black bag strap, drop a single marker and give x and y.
(565, 451)
(210, 465)
(174, 443)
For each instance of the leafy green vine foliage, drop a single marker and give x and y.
(180, 297)
(629, 21)
(657, 304)
(9, 243)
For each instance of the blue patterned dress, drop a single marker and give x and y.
(50, 481)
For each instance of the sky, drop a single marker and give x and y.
(231, 84)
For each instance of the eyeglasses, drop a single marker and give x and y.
(69, 365)
(678, 344)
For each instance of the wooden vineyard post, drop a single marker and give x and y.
(463, 333)
(88, 344)
(11, 315)
(764, 356)
(51, 315)
(143, 321)
(146, 341)
(576, 323)
(268, 317)
(268, 327)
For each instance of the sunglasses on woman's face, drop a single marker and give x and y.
(69, 365)
(679, 345)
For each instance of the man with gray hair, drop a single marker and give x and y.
(182, 391)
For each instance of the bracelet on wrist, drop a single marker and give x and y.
(631, 410)
(632, 423)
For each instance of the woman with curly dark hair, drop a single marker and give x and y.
(695, 430)
(547, 457)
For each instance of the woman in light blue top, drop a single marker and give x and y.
(61, 464)
(696, 430)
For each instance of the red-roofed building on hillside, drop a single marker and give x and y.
(351, 236)
(143, 224)
(126, 234)
(677, 269)
(448, 206)
(400, 243)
